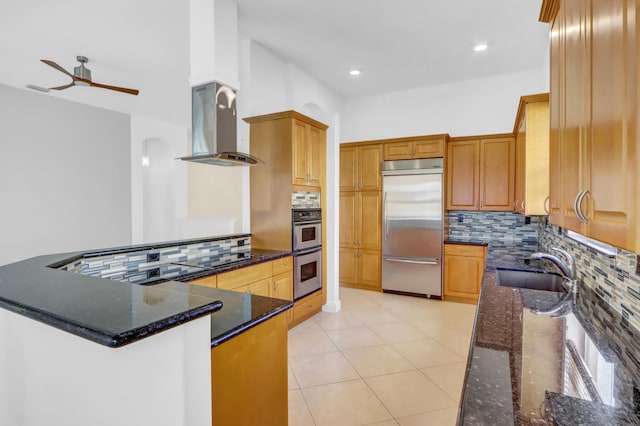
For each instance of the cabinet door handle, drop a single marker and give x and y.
(522, 204)
(582, 215)
(545, 204)
(575, 206)
(515, 205)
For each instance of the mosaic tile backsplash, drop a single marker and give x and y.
(614, 277)
(509, 238)
(125, 266)
(305, 199)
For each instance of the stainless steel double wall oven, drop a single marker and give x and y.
(307, 251)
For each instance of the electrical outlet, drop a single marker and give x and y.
(638, 264)
(241, 243)
(153, 257)
(527, 220)
(460, 218)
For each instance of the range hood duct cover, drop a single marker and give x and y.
(214, 126)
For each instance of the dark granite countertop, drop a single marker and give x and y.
(579, 365)
(115, 313)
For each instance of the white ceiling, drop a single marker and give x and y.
(144, 44)
(399, 44)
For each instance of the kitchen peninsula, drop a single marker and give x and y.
(141, 348)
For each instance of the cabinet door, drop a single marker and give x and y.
(370, 212)
(349, 219)
(521, 165)
(300, 158)
(370, 160)
(348, 265)
(348, 168)
(397, 150)
(260, 288)
(316, 154)
(497, 173)
(572, 149)
(462, 175)
(462, 276)
(428, 148)
(369, 263)
(609, 205)
(556, 116)
(282, 286)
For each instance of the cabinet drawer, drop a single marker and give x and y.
(464, 250)
(306, 307)
(280, 266)
(233, 279)
(210, 281)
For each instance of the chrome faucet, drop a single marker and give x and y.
(568, 266)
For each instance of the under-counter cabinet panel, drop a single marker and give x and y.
(480, 173)
(249, 377)
(463, 271)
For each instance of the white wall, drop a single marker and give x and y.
(64, 176)
(472, 107)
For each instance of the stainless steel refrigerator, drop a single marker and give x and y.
(412, 227)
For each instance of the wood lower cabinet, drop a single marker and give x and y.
(249, 376)
(306, 307)
(480, 173)
(270, 279)
(360, 268)
(463, 271)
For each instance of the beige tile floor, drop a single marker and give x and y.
(382, 360)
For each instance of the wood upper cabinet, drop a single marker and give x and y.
(360, 219)
(463, 271)
(292, 147)
(532, 154)
(480, 173)
(360, 167)
(308, 146)
(407, 149)
(594, 118)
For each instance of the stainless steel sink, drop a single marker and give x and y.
(532, 280)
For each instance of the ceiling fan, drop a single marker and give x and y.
(82, 77)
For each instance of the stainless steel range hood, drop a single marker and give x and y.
(214, 125)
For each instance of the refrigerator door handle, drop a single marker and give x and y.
(384, 216)
(417, 262)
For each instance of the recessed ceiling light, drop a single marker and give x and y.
(354, 72)
(480, 47)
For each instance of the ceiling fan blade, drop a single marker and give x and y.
(58, 67)
(63, 87)
(118, 89)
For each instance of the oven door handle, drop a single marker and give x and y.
(416, 262)
(307, 251)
